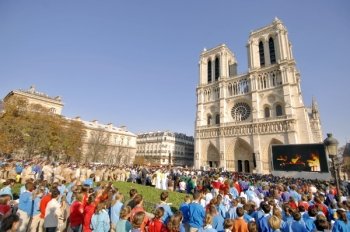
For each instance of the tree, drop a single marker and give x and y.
(97, 145)
(31, 129)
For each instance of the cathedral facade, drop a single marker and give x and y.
(240, 116)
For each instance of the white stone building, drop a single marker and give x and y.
(107, 144)
(165, 148)
(54, 104)
(239, 116)
(102, 142)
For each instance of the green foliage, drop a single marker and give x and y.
(32, 130)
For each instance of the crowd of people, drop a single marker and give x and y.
(74, 197)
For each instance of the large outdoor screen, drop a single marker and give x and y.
(300, 157)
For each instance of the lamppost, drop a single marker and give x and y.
(331, 145)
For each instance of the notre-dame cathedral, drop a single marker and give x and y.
(240, 116)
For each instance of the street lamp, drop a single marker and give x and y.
(331, 145)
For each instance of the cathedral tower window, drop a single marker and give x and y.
(209, 71)
(272, 51)
(267, 112)
(217, 119)
(261, 54)
(208, 120)
(279, 111)
(217, 68)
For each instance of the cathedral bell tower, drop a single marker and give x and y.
(240, 116)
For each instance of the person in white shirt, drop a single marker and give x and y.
(53, 212)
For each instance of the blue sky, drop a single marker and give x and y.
(135, 63)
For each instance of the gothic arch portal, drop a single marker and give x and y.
(269, 152)
(213, 156)
(243, 154)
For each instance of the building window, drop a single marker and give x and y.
(217, 119)
(267, 112)
(209, 71)
(261, 54)
(52, 110)
(272, 51)
(217, 68)
(279, 111)
(209, 120)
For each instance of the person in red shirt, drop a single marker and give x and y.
(216, 184)
(156, 224)
(292, 203)
(5, 208)
(43, 203)
(138, 200)
(76, 216)
(89, 210)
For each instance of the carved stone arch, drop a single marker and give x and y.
(262, 39)
(266, 159)
(213, 156)
(243, 154)
(272, 35)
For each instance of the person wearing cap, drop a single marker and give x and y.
(7, 189)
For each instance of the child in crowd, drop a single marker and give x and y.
(175, 225)
(137, 221)
(156, 224)
(100, 221)
(184, 210)
(123, 225)
(228, 225)
(208, 227)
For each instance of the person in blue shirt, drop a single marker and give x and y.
(309, 219)
(218, 220)
(37, 222)
(116, 207)
(298, 224)
(7, 189)
(220, 206)
(342, 224)
(167, 210)
(231, 213)
(100, 221)
(62, 187)
(208, 224)
(90, 181)
(23, 188)
(196, 212)
(262, 222)
(25, 206)
(184, 209)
